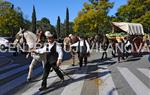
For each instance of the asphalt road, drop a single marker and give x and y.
(100, 77)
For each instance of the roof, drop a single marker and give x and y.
(130, 28)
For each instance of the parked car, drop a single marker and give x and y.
(4, 42)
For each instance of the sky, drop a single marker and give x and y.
(51, 9)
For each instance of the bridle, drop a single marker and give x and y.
(19, 38)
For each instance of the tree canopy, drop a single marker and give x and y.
(10, 19)
(93, 17)
(58, 27)
(34, 20)
(67, 21)
(137, 11)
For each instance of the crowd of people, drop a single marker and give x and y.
(54, 54)
(79, 45)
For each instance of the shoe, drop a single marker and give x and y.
(28, 79)
(62, 80)
(42, 88)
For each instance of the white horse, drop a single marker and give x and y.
(30, 39)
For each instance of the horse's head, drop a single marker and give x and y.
(19, 37)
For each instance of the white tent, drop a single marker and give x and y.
(130, 28)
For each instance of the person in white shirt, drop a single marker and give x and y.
(54, 58)
(83, 49)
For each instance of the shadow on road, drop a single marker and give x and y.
(89, 72)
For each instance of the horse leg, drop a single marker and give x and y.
(31, 68)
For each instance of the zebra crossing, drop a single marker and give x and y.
(108, 86)
(98, 72)
(136, 84)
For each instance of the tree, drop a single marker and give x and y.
(145, 21)
(93, 17)
(34, 20)
(135, 11)
(67, 21)
(45, 24)
(58, 27)
(11, 19)
(53, 30)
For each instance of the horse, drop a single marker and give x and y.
(28, 37)
(67, 42)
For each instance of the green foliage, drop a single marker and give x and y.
(44, 24)
(135, 11)
(58, 27)
(93, 17)
(67, 21)
(34, 20)
(53, 30)
(10, 19)
(145, 21)
(117, 34)
(63, 32)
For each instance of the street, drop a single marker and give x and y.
(100, 77)
(38, 40)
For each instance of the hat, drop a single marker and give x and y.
(48, 34)
(70, 35)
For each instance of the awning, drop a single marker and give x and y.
(130, 28)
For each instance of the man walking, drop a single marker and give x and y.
(54, 57)
(83, 50)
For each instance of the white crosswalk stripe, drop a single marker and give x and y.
(137, 85)
(107, 87)
(146, 72)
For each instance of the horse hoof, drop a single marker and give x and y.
(28, 79)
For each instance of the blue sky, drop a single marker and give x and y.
(54, 8)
